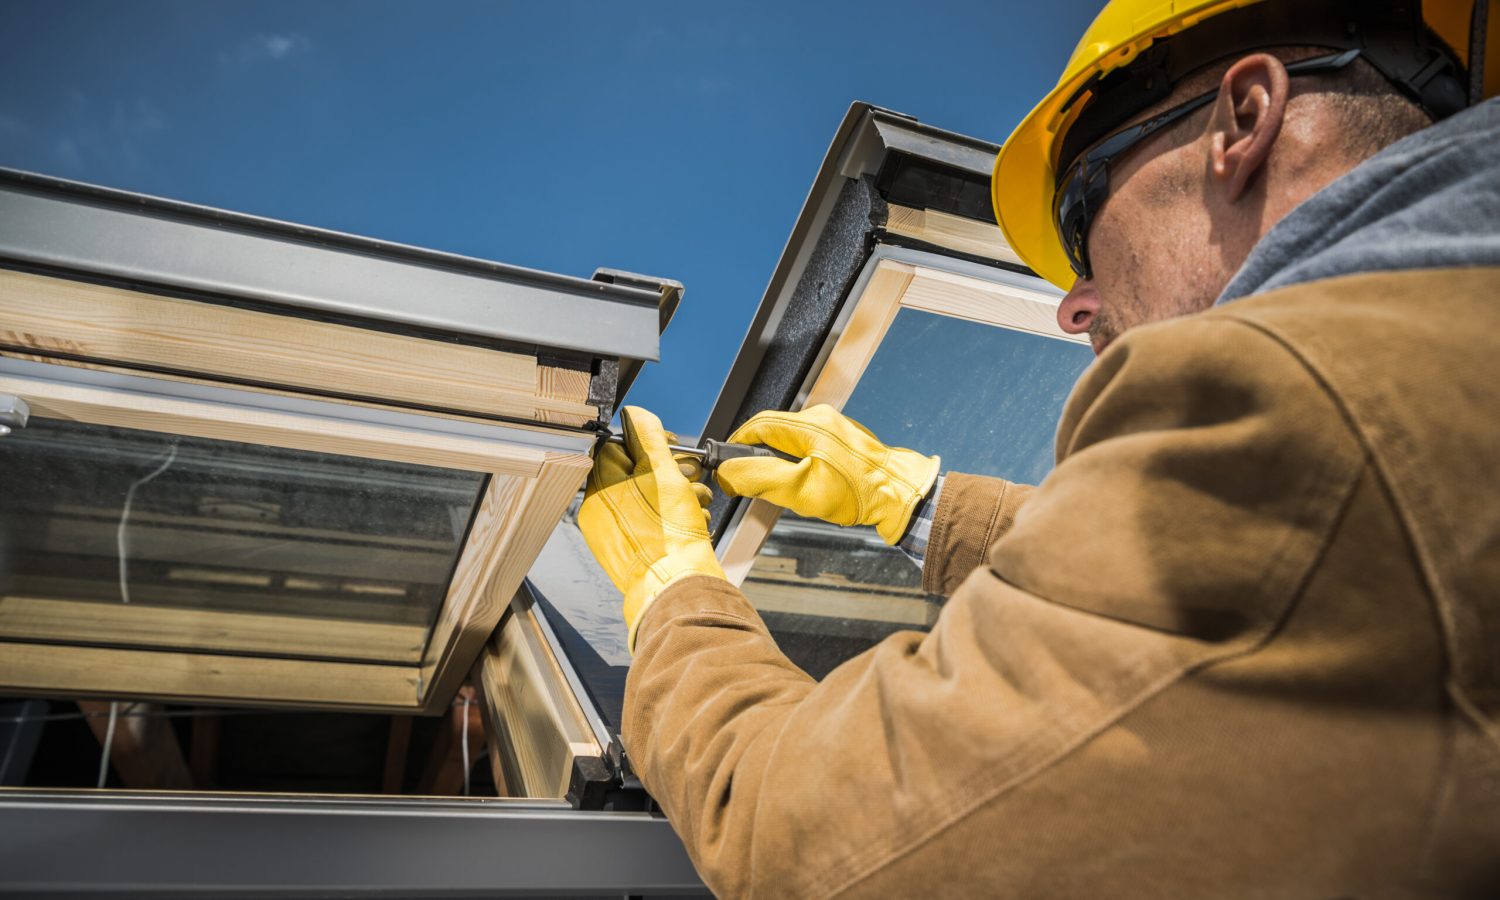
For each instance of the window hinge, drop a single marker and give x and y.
(13, 413)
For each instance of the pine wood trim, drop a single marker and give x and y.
(57, 670)
(201, 630)
(535, 724)
(562, 417)
(480, 596)
(209, 420)
(987, 302)
(558, 383)
(946, 230)
(52, 316)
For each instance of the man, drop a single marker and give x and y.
(1245, 639)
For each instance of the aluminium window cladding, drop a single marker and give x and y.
(936, 354)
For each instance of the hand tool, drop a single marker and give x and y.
(713, 452)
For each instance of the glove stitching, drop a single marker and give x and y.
(859, 503)
(654, 569)
(819, 430)
(882, 465)
(618, 514)
(859, 498)
(662, 520)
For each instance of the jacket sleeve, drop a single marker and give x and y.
(1201, 471)
(973, 512)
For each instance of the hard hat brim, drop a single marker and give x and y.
(1022, 189)
(1024, 179)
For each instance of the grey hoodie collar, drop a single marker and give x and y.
(1430, 200)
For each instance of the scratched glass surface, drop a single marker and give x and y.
(987, 400)
(123, 536)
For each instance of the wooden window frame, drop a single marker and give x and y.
(888, 285)
(44, 316)
(951, 232)
(538, 728)
(532, 478)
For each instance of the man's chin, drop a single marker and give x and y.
(1103, 331)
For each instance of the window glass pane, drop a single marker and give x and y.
(122, 536)
(987, 399)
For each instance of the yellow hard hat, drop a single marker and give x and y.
(1025, 175)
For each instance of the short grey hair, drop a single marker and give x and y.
(1372, 111)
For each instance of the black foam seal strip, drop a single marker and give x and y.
(837, 258)
(604, 389)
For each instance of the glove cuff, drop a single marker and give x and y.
(912, 476)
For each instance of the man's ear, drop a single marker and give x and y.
(1247, 120)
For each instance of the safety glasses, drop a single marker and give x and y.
(1084, 185)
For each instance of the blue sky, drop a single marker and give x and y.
(671, 138)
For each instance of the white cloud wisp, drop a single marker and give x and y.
(266, 48)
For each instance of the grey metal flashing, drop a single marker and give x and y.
(882, 130)
(957, 150)
(320, 410)
(57, 224)
(865, 139)
(203, 845)
(670, 293)
(14, 413)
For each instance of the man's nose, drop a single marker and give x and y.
(1077, 310)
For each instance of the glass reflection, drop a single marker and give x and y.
(95, 518)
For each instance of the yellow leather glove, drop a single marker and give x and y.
(846, 476)
(645, 521)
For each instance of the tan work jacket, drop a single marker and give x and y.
(1244, 641)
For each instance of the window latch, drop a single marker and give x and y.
(13, 413)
